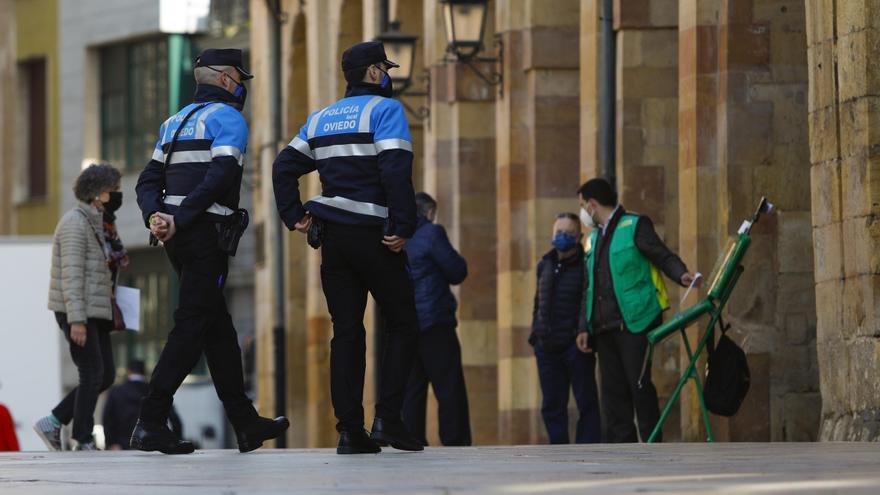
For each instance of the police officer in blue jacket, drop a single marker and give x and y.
(187, 193)
(362, 150)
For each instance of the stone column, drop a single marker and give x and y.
(698, 162)
(743, 136)
(538, 151)
(459, 172)
(762, 150)
(590, 59)
(844, 115)
(647, 141)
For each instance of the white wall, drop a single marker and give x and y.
(30, 343)
(84, 25)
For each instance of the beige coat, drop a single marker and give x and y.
(81, 283)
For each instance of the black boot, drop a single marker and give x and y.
(394, 433)
(356, 442)
(252, 436)
(158, 438)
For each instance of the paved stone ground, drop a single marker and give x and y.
(670, 468)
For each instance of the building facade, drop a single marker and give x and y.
(89, 82)
(696, 109)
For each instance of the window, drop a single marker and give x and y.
(34, 180)
(134, 100)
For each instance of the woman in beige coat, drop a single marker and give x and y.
(86, 253)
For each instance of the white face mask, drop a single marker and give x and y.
(587, 218)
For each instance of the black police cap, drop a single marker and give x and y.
(223, 56)
(364, 55)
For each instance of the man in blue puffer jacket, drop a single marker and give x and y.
(434, 266)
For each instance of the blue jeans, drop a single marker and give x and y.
(559, 372)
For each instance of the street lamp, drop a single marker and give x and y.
(401, 48)
(465, 22)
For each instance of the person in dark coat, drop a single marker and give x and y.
(562, 365)
(434, 266)
(123, 406)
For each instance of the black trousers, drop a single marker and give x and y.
(353, 262)
(621, 356)
(201, 325)
(438, 361)
(94, 363)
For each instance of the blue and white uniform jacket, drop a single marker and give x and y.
(362, 150)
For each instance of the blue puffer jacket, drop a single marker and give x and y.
(434, 265)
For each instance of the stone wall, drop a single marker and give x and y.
(742, 136)
(844, 114)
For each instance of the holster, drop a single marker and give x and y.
(230, 231)
(315, 235)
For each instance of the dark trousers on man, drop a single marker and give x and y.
(202, 324)
(438, 361)
(94, 363)
(559, 372)
(621, 358)
(354, 262)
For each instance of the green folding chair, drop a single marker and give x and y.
(724, 278)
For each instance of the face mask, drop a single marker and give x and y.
(587, 218)
(564, 242)
(240, 93)
(114, 203)
(386, 86)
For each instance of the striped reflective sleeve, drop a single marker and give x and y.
(158, 155)
(302, 146)
(393, 144)
(227, 150)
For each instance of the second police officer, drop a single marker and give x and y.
(362, 150)
(188, 194)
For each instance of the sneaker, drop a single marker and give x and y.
(85, 446)
(49, 431)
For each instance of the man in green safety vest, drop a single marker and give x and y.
(624, 299)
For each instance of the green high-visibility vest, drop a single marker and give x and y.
(638, 284)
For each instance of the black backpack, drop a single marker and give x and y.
(727, 375)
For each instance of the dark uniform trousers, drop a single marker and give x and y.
(201, 324)
(621, 356)
(438, 361)
(353, 262)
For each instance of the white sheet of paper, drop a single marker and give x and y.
(129, 301)
(697, 276)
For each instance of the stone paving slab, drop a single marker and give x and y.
(668, 468)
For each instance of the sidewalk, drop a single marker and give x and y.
(670, 468)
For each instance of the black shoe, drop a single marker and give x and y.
(252, 436)
(158, 438)
(356, 442)
(394, 434)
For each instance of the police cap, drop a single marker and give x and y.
(364, 55)
(223, 56)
